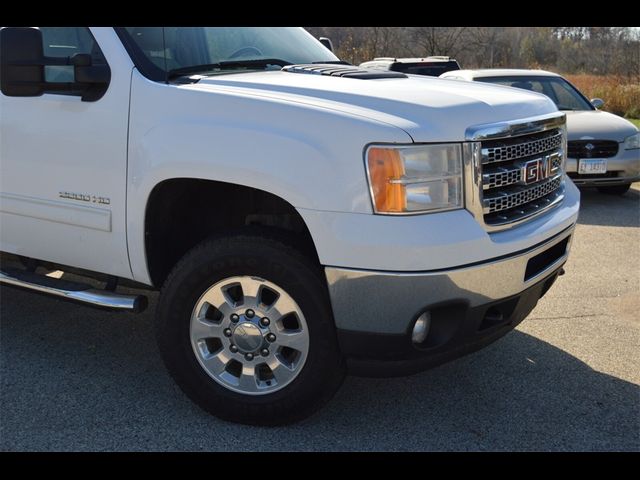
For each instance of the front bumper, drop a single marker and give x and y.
(470, 306)
(622, 169)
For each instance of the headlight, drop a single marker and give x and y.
(412, 179)
(632, 142)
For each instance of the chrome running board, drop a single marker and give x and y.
(77, 292)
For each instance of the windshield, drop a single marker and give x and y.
(563, 94)
(158, 51)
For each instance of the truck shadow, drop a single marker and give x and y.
(519, 394)
(79, 379)
(611, 210)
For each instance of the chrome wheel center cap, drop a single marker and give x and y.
(247, 337)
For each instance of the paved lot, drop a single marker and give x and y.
(568, 378)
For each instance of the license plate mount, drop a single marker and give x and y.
(592, 166)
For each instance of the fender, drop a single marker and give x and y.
(239, 138)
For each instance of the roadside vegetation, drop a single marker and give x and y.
(574, 50)
(621, 95)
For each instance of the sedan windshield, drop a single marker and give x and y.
(563, 94)
(161, 52)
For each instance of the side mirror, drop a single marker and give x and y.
(22, 68)
(597, 102)
(21, 62)
(327, 43)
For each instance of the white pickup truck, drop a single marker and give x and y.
(301, 217)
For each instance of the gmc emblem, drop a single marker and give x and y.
(539, 169)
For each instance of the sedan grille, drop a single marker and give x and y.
(592, 149)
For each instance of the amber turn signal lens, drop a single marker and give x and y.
(386, 165)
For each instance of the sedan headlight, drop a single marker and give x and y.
(632, 142)
(414, 179)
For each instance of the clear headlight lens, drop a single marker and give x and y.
(411, 179)
(632, 142)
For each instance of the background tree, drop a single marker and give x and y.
(588, 50)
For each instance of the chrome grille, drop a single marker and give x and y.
(520, 176)
(509, 150)
(501, 176)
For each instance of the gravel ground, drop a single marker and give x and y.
(567, 378)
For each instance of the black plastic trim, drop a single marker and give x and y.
(387, 355)
(545, 259)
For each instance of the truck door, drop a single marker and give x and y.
(63, 163)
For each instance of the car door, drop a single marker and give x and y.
(63, 165)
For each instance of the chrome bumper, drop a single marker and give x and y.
(389, 302)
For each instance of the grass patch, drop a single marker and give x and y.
(621, 95)
(635, 121)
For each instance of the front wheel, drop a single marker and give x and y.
(615, 189)
(245, 329)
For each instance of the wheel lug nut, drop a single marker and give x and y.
(227, 332)
(250, 313)
(249, 356)
(264, 352)
(233, 349)
(234, 318)
(265, 322)
(271, 338)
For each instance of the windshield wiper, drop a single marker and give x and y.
(192, 69)
(258, 62)
(226, 65)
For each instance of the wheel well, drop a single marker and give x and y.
(183, 212)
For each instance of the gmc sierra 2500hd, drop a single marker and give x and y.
(301, 217)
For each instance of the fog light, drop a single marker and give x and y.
(421, 328)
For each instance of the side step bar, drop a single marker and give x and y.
(77, 292)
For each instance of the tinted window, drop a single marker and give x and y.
(65, 42)
(563, 94)
(430, 69)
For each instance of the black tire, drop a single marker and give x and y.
(256, 255)
(615, 189)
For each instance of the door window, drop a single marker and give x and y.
(64, 42)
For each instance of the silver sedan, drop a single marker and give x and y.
(603, 149)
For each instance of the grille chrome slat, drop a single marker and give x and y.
(503, 176)
(525, 211)
(515, 151)
(505, 200)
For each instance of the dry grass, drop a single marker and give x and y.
(621, 95)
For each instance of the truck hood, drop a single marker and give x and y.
(598, 125)
(428, 109)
